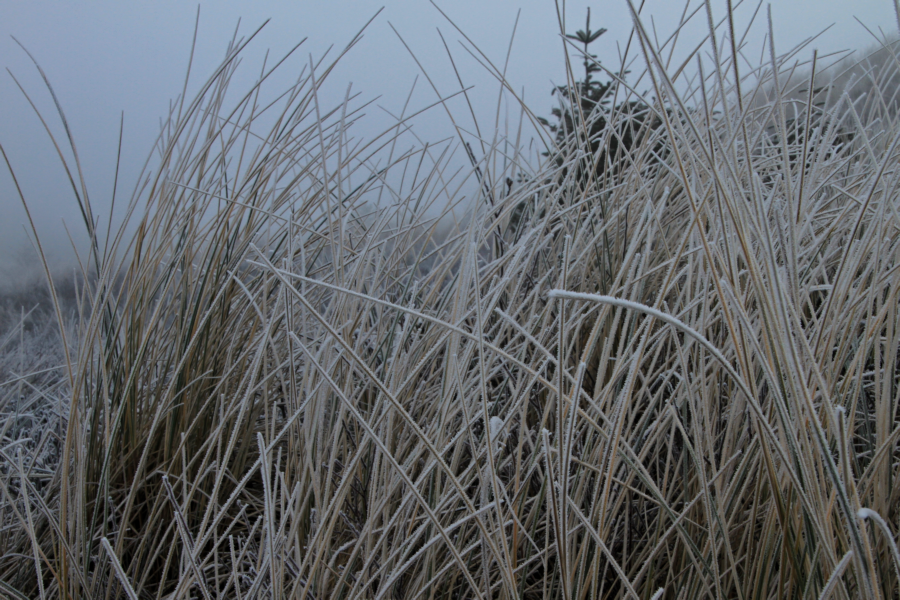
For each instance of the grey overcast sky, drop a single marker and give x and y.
(108, 56)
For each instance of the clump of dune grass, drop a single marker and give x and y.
(679, 381)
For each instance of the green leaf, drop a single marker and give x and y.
(596, 34)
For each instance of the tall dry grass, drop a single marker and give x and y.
(679, 380)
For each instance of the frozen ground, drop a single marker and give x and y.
(34, 390)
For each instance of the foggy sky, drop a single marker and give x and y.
(108, 57)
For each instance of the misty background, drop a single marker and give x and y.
(108, 60)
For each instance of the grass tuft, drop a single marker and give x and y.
(305, 375)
